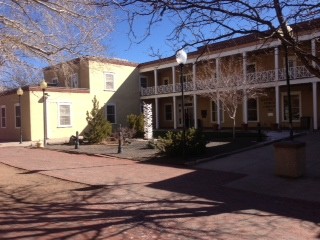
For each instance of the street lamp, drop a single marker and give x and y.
(43, 86)
(181, 58)
(285, 46)
(20, 93)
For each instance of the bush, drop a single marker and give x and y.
(172, 145)
(136, 124)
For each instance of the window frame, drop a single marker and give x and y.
(284, 94)
(105, 81)
(257, 110)
(145, 79)
(3, 117)
(59, 114)
(15, 115)
(73, 77)
(115, 112)
(213, 103)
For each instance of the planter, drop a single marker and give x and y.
(39, 144)
(290, 159)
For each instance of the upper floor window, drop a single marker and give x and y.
(74, 80)
(143, 82)
(109, 81)
(64, 114)
(54, 81)
(3, 117)
(111, 113)
(17, 115)
(165, 81)
(252, 107)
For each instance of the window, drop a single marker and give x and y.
(17, 115)
(74, 80)
(214, 112)
(109, 77)
(295, 106)
(3, 117)
(251, 68)
(64, 115)
(54, 81)
(165, 81)
(168, 112)
(143, 82)
(111, 113)
(252, 108)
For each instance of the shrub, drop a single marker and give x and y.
(98, 127)
(136, 123)
(171, 144)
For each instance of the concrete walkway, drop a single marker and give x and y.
(259, 166)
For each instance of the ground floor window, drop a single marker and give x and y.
(111, 113)
(214, 112)
(17, 115)
(295, 106)
(168, 112)
(64, 114)
(3, 117)
(252, 108)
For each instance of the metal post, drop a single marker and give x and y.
(120, 140)
(288, 90)
(44, 119)
(20, 119)
(183, 113)
(76, 144)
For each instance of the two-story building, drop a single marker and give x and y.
(254, 61)
(71, 89)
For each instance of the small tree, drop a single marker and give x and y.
(98, 127)
(229, 88)
(136, 123)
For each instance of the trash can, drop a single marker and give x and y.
(290, 158)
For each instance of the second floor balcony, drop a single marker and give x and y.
(262, 77)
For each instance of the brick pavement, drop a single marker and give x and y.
(113, 198)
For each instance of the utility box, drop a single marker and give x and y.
(290, 159)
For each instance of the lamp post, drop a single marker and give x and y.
(285, 47)
(43, 86)
(20, 93)
(181, 58)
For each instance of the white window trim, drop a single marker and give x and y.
(74, 76)
(283, 94)
(115, 112)
(258, 110)
(15, 116)
(222, 112)
(5, 117)
(165, 113)
(105, 81)
(64, 103)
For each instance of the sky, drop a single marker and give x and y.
(120, 46)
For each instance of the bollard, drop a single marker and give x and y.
(120, 140)
(76, 143)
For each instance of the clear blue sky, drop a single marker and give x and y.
(120, 45)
